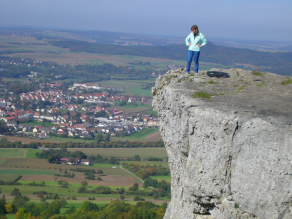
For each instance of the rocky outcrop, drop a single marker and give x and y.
(228, 137)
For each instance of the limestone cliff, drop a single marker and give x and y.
(230, 156)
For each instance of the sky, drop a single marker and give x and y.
(264, 20)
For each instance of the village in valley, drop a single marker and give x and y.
(74, 132)
(79, 120)
(77, 110)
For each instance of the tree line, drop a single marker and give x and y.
(4, 143)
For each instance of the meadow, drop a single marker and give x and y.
(5, 153)
(26, 172)
(131, 87)
(9, 177)
(160, 178)
(141, 90)
(139, 136)
(132, 106)
(152, 112)
(132, 109)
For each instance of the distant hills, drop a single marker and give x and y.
(276, 62)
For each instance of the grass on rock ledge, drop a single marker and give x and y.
(258, 73)
(240, 88)
(200, 94)
(289, 81)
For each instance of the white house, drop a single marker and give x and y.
(84, 162)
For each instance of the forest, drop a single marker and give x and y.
(116, 209)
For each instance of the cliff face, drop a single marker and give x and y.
(230, 156)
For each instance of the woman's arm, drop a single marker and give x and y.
(203, 40)
(188, 39)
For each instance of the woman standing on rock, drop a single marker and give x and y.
(194, 41)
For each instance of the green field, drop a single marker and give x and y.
(138, 136)
(31, 153)
(140, 90)
(2, 162)
(130, 87)
(152, 112)
(17, 153)
(12, 153)
(9, 177)
(132, 107)
(159, 178)
(134, 111)
(103, 165)
(124, 152)
(125, 83)
(26, 172)
(10, 216)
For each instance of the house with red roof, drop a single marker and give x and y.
(12, 118)
(65, 160)
(36, 115)
(61, 131)
(117, 112)
(132, 100)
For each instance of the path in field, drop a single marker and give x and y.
(154, 137)
(131, 173)
(24, 153)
